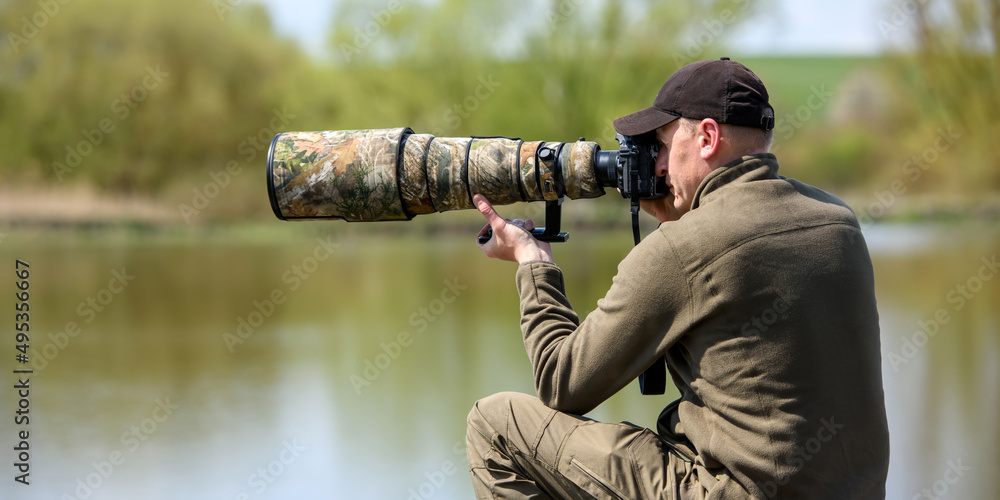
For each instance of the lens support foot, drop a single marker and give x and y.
(550, 233)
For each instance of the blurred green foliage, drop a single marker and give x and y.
(952, 80)
(88, 61)
(154, 97)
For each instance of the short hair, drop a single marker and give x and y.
(743, 139)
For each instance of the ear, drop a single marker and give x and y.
(708, 135)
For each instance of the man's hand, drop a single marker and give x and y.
(662, 208)
(511, 239)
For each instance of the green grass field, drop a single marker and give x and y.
(790, 80)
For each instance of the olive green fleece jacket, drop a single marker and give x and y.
(762, 299)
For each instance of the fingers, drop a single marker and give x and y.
(491, 215)
(524, 224)
(527, 225)
(487, 210)
(511, 239)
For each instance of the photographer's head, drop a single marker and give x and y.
(707, 114)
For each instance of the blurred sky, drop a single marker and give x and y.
(848, 27)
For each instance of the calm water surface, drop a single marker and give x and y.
(343, 364)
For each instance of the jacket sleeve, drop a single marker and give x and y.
(579, 365)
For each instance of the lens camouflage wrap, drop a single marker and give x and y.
(349, 174)
(445, 157)
(579, 177)
(496, 169)
(529, 177)
(394, 174)
(413, 176)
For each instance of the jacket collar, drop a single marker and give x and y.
(744, 169)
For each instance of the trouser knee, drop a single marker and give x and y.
(487, 409)
(492, 416)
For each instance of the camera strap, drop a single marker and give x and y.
(635, 219)
(652, 381)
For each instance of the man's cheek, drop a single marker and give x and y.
(677, 206)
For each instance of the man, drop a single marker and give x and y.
(758, 290)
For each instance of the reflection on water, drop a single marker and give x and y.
(259, 367)
(941, 346)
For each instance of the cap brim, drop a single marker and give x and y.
(642, 121)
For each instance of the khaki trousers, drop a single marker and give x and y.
(520, 448)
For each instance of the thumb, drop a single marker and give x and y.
(487, 210)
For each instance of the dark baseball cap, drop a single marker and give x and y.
(721, 89)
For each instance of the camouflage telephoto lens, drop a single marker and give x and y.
(395, 174)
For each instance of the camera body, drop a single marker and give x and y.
(632, 169)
